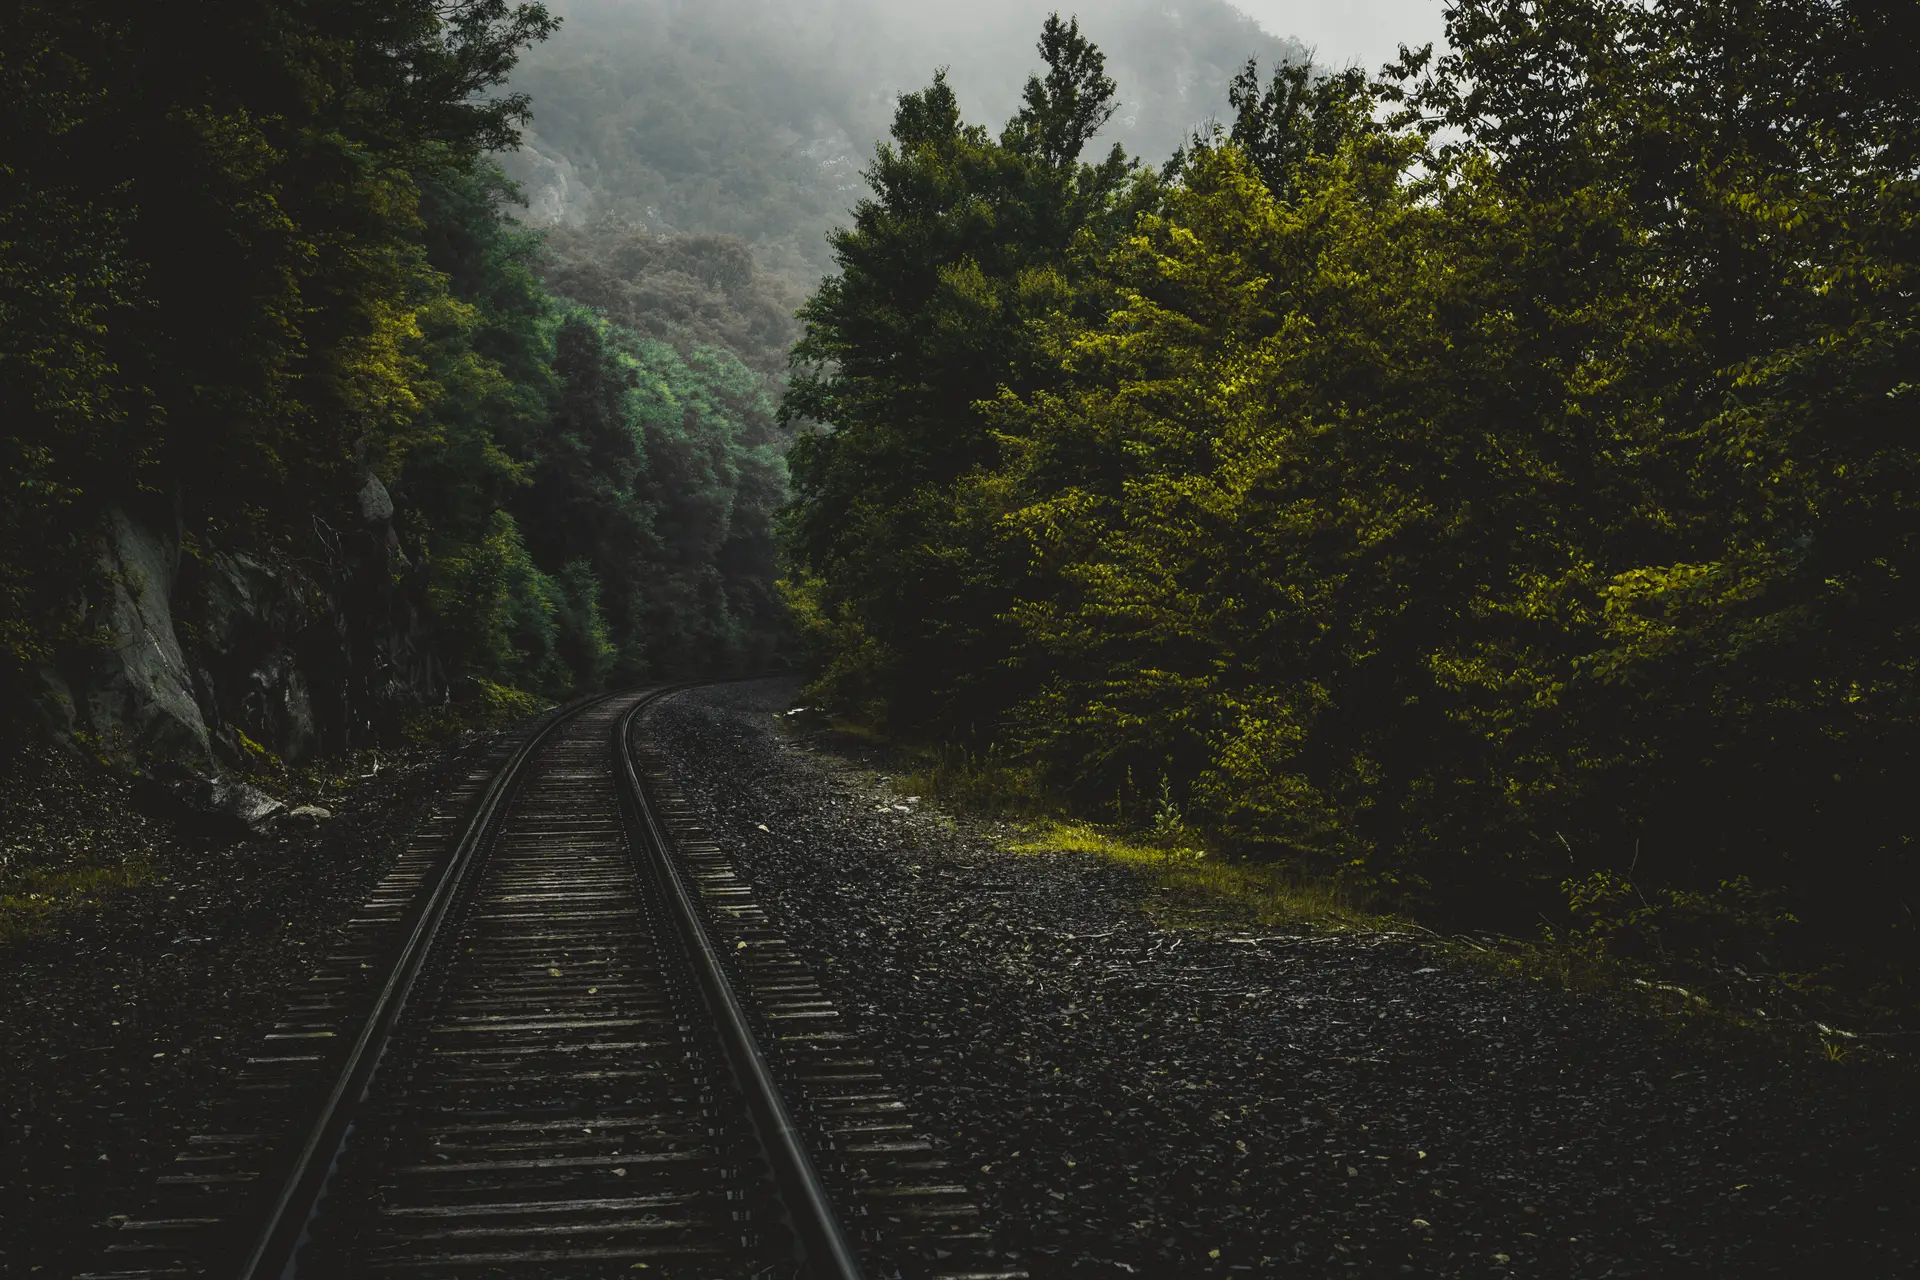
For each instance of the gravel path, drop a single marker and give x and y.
(1139, 1100)
(120, 1031)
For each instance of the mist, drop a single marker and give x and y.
(755, 118)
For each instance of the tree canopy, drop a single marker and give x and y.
(251, 253)
(1491, 480)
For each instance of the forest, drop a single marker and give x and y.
(1487, 481)
(259, 268)
(1490, 482)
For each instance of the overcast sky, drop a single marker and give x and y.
(1343, 31)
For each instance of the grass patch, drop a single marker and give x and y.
(1192, 886)
(1199, 887)
(69, 836)
(30, 902)
(1196, 887)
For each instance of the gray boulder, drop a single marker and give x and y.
(220, 808)
(307, 816)
(139, 696)
(376, 504)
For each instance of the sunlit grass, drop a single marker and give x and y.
(1194, 886)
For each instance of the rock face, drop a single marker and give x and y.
(556, 194)
(140, 700)
(212, 659)
(252, 618)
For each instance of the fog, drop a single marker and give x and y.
(863, 53)
(756, 117)
(1343, 32)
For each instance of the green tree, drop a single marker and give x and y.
(965, 243)
(214, 284)
(1495, 481)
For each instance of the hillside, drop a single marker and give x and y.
(756, 120)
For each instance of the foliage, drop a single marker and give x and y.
(1733, 924)
(1475, 481)
(250, 254)
(943, 275)
(482, 707)
(213, 286)
(697, 290)
(500, 612)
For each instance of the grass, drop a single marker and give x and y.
(981, 782)
(31, 901)
(1192, 886)
(1199, 888)
(68, 837)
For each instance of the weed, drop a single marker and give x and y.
(982, 781)
(1200, 887)
(30, 900)
(1167, 821)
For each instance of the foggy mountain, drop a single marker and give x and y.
(754, 118)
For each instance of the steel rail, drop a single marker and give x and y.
(274, 1252)
(827, 1251)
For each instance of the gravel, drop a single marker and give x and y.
(122, 1025)
(1130, 1098)
(1139, 1099)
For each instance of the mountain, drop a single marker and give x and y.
(754, 119)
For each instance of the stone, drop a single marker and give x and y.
(222, 808)
(308, 815)
(53, 700)
(250, 614)
(376, 504)
(139, 697)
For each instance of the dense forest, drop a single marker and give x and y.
(1488, 480)
(1491, 482)
(270, 333)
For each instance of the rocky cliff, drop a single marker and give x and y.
(205, 660)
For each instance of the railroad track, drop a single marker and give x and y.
(562, 1040)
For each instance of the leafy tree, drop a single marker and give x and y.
(1494, 482)
(239, 181)
(963, 246)
(251, 253)
(1301, 115)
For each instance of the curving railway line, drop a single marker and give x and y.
(562, 1039)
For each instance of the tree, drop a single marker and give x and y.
(965, 243)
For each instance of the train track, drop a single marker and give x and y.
(562, 1040)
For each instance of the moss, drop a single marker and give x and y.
(1194, 886)
(68, 835)
(258, 759)
(32, 901)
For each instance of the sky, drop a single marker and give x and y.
(1343, 31)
